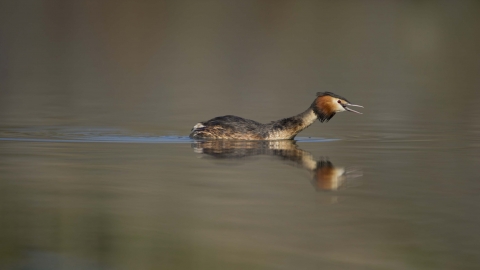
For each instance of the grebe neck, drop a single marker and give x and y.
(308, 117)
(288, 128)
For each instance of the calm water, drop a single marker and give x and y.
(94, 200)
(97, 98)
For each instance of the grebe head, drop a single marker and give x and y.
(327, 104)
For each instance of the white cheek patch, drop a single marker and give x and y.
(339, 108)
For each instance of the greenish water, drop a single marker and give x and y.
(405, 201)
(97, 98)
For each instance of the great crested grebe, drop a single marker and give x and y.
(323, 108)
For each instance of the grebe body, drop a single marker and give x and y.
(323, 108)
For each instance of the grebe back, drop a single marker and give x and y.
(323, 108)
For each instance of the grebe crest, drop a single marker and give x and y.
(327, 104)
(323, 108)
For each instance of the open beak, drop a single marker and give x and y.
(352, 105)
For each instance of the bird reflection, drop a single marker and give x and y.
(325, 176)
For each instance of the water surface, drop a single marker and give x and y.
(391, 202)
(97, 98)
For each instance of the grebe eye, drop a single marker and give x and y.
(339, 101)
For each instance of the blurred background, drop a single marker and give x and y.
(164, 65)
(159, 67)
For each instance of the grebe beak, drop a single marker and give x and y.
(353, 105)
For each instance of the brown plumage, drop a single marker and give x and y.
(323, 108)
